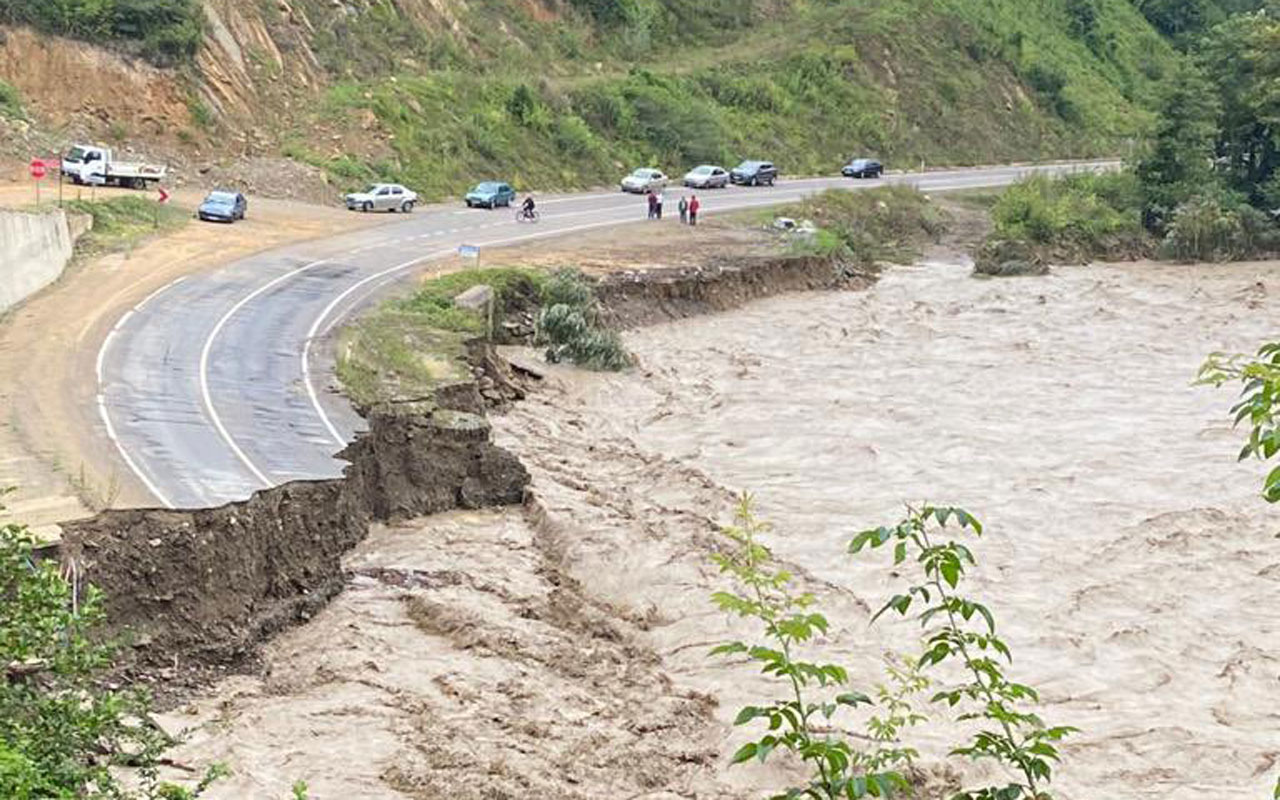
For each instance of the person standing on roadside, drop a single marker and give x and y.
(658, 205)
(684, 209)
(653, 205)
(694, 206)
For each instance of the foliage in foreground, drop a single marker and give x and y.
(64, 732)
(1259, 405)
(957, 631)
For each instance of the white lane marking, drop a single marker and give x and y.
(105, 415)
(124, 453)
(162, 289)
(204, 367)
(312, 395)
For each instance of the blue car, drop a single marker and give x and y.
(491, 194)
(222, 207)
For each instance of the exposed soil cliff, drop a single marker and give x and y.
(203, 588)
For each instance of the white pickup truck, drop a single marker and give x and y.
(86, 163)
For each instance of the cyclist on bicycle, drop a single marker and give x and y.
(527, 210)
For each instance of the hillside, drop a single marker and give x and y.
(558, 93)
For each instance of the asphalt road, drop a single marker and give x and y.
(214, 386)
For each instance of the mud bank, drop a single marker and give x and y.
(202, 588)
(636, 299)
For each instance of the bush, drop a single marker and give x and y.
(1008, 257)
(567, 325)
(10, 102)
(1209, 228)
(1074, 217)
(886, 224)
(64, 731)
(164, 31)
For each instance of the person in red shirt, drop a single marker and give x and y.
(694, 205)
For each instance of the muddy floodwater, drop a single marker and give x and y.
(560, 650)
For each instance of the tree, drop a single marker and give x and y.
(64, 733)
(1242, 56)
(1177, 162)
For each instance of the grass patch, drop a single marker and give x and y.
(121, 222)
(11, 102)
(885, 224)
(396, 355)
(410, 346)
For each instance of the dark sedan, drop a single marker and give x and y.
(863, 168)
(754, 173)
(223, 207)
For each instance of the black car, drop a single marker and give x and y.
(223, 207)
(754, 173)
(863, 168)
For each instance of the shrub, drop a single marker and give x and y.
(1074, 217)
(887, 224)
(64, 731)
(10, 102)
(163, 31)
(1211, 228)
(568, 326)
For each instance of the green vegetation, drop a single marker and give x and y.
(11, 102)
(1068, 219)
(121, 222)
(956, 631)
(64, 732)
(885, 224)
(1206, 186)
(805, 84)
(569, 325)
(409, 347)
(163, 31)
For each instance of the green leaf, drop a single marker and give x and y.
(747, 714)
(853, 699)
(745, 753)
(950, 573)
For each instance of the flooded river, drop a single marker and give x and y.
(1130, 563)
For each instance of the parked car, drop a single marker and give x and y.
(863, 168)
(222, 206)
(490, 194)
(644, 180)
(754, 173)
(707, 177)
(382, 197)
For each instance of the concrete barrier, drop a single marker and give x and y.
(34, 249)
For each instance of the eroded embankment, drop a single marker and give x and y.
(635, 299)
(202, 588)
(198, 591)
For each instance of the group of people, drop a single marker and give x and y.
(689, 207)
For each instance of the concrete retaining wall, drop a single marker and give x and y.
(34, 249)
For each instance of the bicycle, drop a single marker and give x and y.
(528, 216)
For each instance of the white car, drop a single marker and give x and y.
(707, 176)
(644, 180)
(382, 197)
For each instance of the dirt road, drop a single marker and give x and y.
(54, 452)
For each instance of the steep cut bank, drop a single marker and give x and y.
(201, 589)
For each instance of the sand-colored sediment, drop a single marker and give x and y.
(560, 653)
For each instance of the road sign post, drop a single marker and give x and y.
(38, 171)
